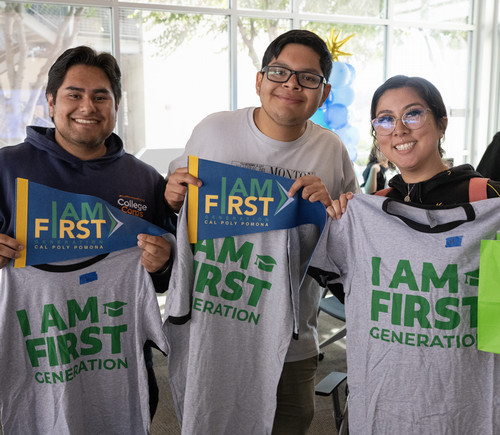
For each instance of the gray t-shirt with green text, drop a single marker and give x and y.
(410, 277)
(72, 347)
(229, 321)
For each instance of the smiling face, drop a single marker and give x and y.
(84, 111)
(287, 106)
(414, 152)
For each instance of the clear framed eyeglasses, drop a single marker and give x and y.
(413, 119)
(281, 74)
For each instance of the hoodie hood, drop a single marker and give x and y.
(43, 138)
(436, 189)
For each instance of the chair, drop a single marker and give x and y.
(330, 386)
(333, 307)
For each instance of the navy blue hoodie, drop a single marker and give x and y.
(118, 177)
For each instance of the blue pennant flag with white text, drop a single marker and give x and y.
(235, 201)
(54, 225)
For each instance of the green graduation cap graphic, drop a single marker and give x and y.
(114, 309)
(265, 263)
(472, 278)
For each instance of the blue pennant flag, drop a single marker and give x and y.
(234, 201)
(54, 225)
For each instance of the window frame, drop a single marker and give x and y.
(483, 100)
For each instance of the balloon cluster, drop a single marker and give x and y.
(334, 113)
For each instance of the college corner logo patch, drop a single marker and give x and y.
(54, 225)
(234, 201)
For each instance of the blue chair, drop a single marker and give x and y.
(331, 305)
(330, 386)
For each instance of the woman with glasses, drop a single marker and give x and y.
(403, 263)
(408, 126)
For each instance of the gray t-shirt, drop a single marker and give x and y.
(230, 318)
(233, 138)
(410, 277)
(72, 347)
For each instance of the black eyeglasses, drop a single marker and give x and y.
(413, 119)
(280, 74)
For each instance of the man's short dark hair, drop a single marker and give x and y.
(303, 37)
(84, 55)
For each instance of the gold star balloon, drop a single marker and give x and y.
(334, 45)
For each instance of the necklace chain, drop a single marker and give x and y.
(407, 197)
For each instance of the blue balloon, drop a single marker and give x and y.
(349, 135)
(339, 75)
(328, 101)
(319, 118)
(343, 95)
(336, 116)
(352, 74)
(353, 153)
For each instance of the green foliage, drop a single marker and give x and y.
(367, 8)
(177, 28)
(366, 45)
(265, 5)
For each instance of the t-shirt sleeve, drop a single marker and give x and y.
(328, 262)
(151, 315)
(178, 297)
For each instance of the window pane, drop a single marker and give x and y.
(265, 5)
(367, 59)
(366, 8)
(254, 35)
(441, 57)
(199, 3)
(32, 36)
(456, 11)
(174, 75)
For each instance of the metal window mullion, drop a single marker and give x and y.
(295, 14)
(479, 98)
(116, 50)
(388, 38)
(494, 110)
(233, 54)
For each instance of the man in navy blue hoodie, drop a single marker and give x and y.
(82, 155)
